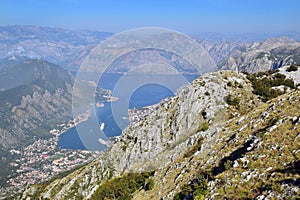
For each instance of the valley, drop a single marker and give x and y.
(36, 109)
(149, 100)
(200, 141)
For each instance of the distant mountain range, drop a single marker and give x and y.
(69, 48)
(254, 57)
(244, 37)
(60, 46)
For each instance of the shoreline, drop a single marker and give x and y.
(70, 124)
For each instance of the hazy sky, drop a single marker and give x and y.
(189, 16)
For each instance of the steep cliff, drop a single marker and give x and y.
(36, 94)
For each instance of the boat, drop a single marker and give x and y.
(102, 127)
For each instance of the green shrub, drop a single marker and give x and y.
(149, 184)
(123, 187)
(228, 164)
(289, 83)
(231, 100)
(198, 189)
(203, 127)
(186, 189)
(229, 84)
(292, 68)
(177, 196)
(273, 121)
(124, 147)
(263, 82)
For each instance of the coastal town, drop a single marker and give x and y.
(43, 160)
(61, 128)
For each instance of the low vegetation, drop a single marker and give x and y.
(264, 83)
(123, 187)
(195, 189)
(203, 127)
(231, 100)
(292, 68)
(194, 148)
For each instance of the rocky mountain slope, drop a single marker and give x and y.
(268, 55)
(35, 96)
(33, 101)
(216, 138)
(221, 50)
(238, 56)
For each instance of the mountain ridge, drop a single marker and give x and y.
(268, 55)
(195, 123)
(70, 48)
(42, 82)
(34, 98)
(60, 46)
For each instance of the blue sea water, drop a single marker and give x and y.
(148, 94)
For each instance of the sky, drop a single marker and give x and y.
(189, 16)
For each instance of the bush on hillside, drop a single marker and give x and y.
(292, 68)
(263, 82)
(123, 187)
